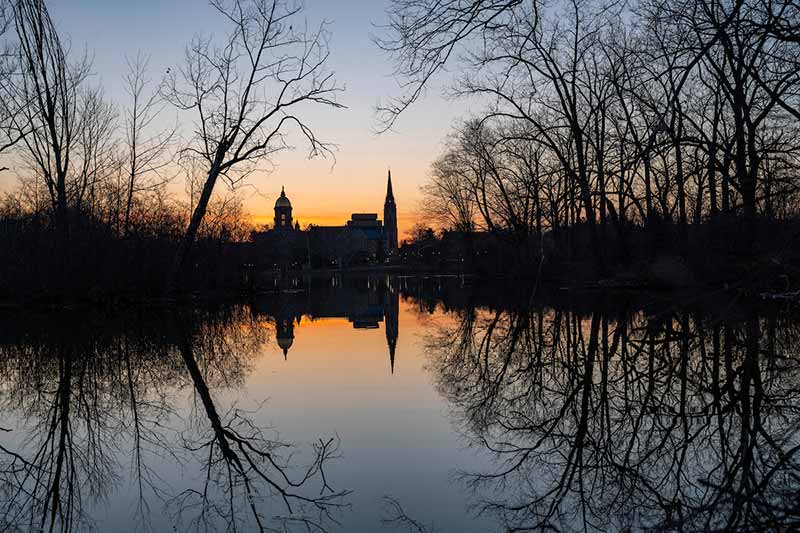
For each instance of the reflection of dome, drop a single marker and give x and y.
(282, 200)
(285, 343)
(284, 334)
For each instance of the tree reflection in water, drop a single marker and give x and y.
(627, 421)
(598, 417)
(91, 393)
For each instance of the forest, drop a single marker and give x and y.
(617, 138)
(647, 143)
(95, 210)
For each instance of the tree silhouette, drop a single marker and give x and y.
(237, 128)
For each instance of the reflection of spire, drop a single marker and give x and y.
(391, 311)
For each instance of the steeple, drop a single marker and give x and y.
(390, 219)
(389, 193)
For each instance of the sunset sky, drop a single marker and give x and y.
(320, 191)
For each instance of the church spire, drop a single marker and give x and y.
(389, 193)
(390, 219)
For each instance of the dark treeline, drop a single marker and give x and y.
(96, 206)
(613, 133)
(608, 418)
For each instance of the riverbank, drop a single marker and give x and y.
(495, 292)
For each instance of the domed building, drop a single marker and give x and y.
(283, 212)
(364, 239)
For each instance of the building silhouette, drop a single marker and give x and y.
(390, 219)
(364, 239)
(283, 212)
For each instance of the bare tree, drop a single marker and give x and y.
(95, 157)
(425, 35)
(611, 421)
(395, 516)
(448, 199)
(12, 130)
(46, 101)
(247, 464)
(246, 93)
(147, 156)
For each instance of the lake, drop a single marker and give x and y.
(404, 404)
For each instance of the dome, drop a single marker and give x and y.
(284, 343)
(284, 334)
(282, 200)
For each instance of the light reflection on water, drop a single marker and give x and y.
(476, 409)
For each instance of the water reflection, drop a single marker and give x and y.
(364, 302)
(89, 392)
(582, 413)
(621, 419)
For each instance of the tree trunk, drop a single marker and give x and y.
(712, 164)
(683, 230)
(185, 247)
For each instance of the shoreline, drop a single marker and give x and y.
(511, 289)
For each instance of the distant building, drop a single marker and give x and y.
(363, 239)
(283, 213)
(390, 219)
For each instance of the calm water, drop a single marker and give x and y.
(365, 404)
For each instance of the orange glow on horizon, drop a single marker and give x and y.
(404, 220)
(313, 338)
(323, 199)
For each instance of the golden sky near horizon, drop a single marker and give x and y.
(322, 198)
(322, 191)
